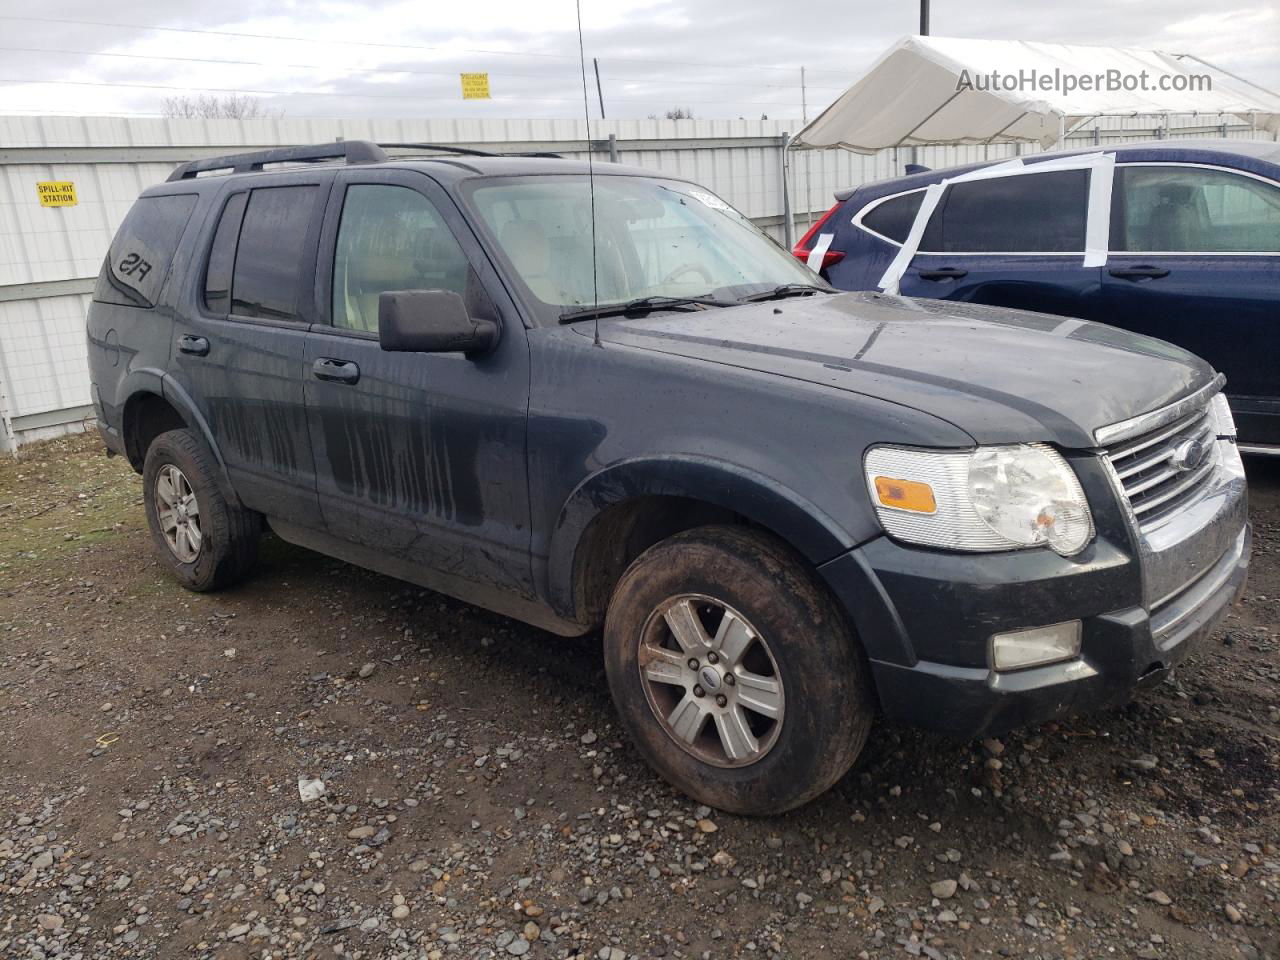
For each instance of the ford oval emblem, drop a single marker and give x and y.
(710, 678)
(1189, 455)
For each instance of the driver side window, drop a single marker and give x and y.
(390, 238)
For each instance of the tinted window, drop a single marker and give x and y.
(142, 250)
(1029, 213)
(893, 218)
(267, 277)
(390, 238)
(1193, 210)
(222, 256)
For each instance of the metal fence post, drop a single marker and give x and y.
(8, 440)
(788, 221)
(613, 148)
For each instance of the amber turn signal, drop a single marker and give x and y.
(905, 495)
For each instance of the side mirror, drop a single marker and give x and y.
(431, 321)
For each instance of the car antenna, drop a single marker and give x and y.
(591, 178)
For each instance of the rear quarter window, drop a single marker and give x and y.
(892, 218)
(138, 261)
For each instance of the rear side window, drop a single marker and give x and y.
(893, 218)
(222, 257)
(255, 263)
(142, 251)
(1028, 213)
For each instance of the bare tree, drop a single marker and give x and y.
(679, 113)
(232, 106)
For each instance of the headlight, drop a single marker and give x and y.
(991, 498)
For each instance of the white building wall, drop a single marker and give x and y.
(49, 256)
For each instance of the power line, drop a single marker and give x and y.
(386, 46)
(377, 70)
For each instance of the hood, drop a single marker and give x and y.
(1002, 376)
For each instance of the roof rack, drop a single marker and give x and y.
(465, 151)
(441, 148)
(353, 151)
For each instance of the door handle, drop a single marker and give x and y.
(1143, 272)
(335, 371)
(196, 346)
(943, 273)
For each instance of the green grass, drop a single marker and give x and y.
(61, 495)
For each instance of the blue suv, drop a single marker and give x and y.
(1191, 253)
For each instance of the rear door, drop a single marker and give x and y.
(1013, 241)
(421, 456)
(1195, 260)
(239, 351)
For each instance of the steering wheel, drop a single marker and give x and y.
(681, 270)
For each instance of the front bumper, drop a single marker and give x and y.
(926, 619)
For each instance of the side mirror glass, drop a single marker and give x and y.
(431, 321)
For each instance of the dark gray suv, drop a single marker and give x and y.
(600, 398)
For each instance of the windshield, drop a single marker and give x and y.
(654, 238)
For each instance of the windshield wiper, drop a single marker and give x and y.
(785, 290)
(641, 305)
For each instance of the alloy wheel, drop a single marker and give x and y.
(711, 680)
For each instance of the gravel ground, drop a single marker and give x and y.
(479, 801)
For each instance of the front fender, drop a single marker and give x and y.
(719, 483)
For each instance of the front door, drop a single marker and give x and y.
(1195, 260)
(239, 353)
(419, 456)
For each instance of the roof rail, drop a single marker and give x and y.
(440, 147)
(352, 151)
(464, 151)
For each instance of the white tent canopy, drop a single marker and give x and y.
(930, 90)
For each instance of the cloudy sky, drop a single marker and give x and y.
(718, 58)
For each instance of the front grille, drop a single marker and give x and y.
(1152, 470)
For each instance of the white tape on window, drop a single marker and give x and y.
(1098, 224)
(814, 261)
(1097, 239)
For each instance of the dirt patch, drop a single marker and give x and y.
(480, 801)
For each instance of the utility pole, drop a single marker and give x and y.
(595, 61)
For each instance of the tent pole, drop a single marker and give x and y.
(1233, 76)
(788, 218)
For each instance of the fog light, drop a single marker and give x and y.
(1036, 646)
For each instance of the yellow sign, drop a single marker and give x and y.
(56, 193)
(475, 86)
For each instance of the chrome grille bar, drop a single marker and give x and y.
(1147, 465)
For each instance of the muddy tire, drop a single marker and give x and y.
(207, 541)
(734, 671)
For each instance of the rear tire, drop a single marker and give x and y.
(778, 706)
(207, 541)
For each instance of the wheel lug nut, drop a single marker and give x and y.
(712, 658)
(721, 700)
(698, 691)
(693, 664)
(728, 679)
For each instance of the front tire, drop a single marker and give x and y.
(734, 671)
(207, 541)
